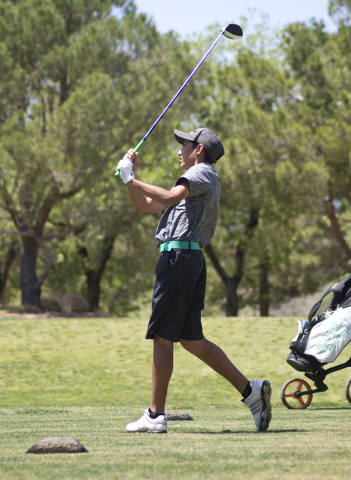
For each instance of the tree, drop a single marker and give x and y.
(340, 10)
(102, 214)
(62, 111)
(266, 171)
(321, 63)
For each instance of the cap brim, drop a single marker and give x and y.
(182, 136)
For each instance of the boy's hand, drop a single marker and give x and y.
(133, 157)
(125, 167)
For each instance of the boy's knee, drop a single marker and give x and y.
(184, 343)
(192, 345)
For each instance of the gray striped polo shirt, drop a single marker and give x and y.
(194, 218)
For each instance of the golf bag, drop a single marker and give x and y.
(321, 339)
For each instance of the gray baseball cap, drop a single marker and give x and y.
(207, 138)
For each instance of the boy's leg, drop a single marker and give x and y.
(162, 368)
(257, 393)
(154, 420)
(215, 358)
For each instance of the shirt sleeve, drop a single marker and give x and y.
(199, 182)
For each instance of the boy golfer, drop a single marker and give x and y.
(188, 222)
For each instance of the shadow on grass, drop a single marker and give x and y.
(330, 408)
(251, 432)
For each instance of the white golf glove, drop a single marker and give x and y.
(125, 168)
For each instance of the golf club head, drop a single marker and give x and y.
(232, 31)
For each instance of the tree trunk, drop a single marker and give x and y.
(11, 254)
(264, 291)
(334, 221)
(94, 276)
(232, 283)
(232, 305)
(93, 286)
(29, 279)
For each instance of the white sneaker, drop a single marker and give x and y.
(148, 424)
(259, 403)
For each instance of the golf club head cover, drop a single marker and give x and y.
(125, 168)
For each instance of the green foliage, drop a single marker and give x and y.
(82, 82)
(269, 163)
(81, 98)
(321, 63)
(340, 10)
(59, 112)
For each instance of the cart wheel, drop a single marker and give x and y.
(348, 389)
(288, 394)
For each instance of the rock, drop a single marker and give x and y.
(57, 445)
(27, 308)
(74, 303)
(50, 305)
(178, 415)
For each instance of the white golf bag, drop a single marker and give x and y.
(321, 339)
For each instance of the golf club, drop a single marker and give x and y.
(231, 31)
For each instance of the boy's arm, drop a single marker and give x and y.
(149, 198)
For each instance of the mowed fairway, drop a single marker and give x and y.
(87, 378)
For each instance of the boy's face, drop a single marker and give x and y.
(187, 155)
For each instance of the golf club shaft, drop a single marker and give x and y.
(176, 95)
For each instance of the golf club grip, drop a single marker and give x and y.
(136, 149)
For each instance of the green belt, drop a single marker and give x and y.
(167, 246)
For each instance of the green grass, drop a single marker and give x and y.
(87, 378)
(220, 443)
(104, 362)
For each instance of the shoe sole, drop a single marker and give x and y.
(146, 431)
(266, 415)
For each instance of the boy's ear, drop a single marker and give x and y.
(199, 149)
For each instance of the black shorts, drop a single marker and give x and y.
(179, 296)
